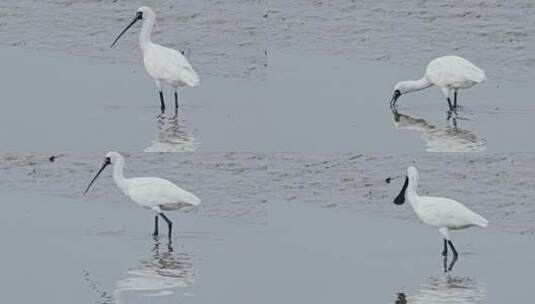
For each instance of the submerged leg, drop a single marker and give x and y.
(169, 223)
(452, 263)
(155, 233)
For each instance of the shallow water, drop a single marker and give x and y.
(102, 252)
(82, 105)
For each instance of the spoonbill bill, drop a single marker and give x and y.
(164, 65)
(450, 73)
(154, 193)
(442, 213)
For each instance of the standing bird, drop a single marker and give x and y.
(153, 193)
(442, 213)
(450, 73)
(163, 64)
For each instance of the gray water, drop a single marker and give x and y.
(57, 103)
(102, 252)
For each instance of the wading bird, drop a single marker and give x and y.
(450, 73)
(153, 193)
(164, 65)
(442, 213)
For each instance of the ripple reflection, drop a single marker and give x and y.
(450, 138)
(158, 274)
(172, 136)
(447, 290)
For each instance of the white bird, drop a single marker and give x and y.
(164, 65)
(153, 193)
(442, 213)
(450, 73)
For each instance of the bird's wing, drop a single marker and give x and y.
(450, 70)
(450, 213)
(170, 64)
(152, 191)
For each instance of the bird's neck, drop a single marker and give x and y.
(412, 195)
(118, 174)
(144, 34)
(417, 85)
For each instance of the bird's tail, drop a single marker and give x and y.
(477, 75)
(479, 220)
(192, 80)
(194, 200)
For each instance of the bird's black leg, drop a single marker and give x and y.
(162, 103)
(176, 101)
(449, 103)
(169, 223)
(453, 249)
(445, 251)
(455, 256)
(455, 100)
(155, 233)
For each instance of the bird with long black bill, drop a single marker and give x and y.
(153, 193)
(164, 65)
(450, 73)
(442, 213)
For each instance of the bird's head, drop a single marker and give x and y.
(142, 13)
(399, 89)
(412, 173)
(412, 177)
(110, 158)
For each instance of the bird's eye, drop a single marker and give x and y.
(139, 15)
(397, 92)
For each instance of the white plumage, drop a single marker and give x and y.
(442, 213)
(450, 73)
(153, 193)
(164, 65)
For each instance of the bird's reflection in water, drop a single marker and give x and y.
(450, 138)
(172, 136)
(446, 290)
(158, 274)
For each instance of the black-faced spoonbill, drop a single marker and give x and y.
(163, 64)
(153, 193)
(450, 73)
(442, 213)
